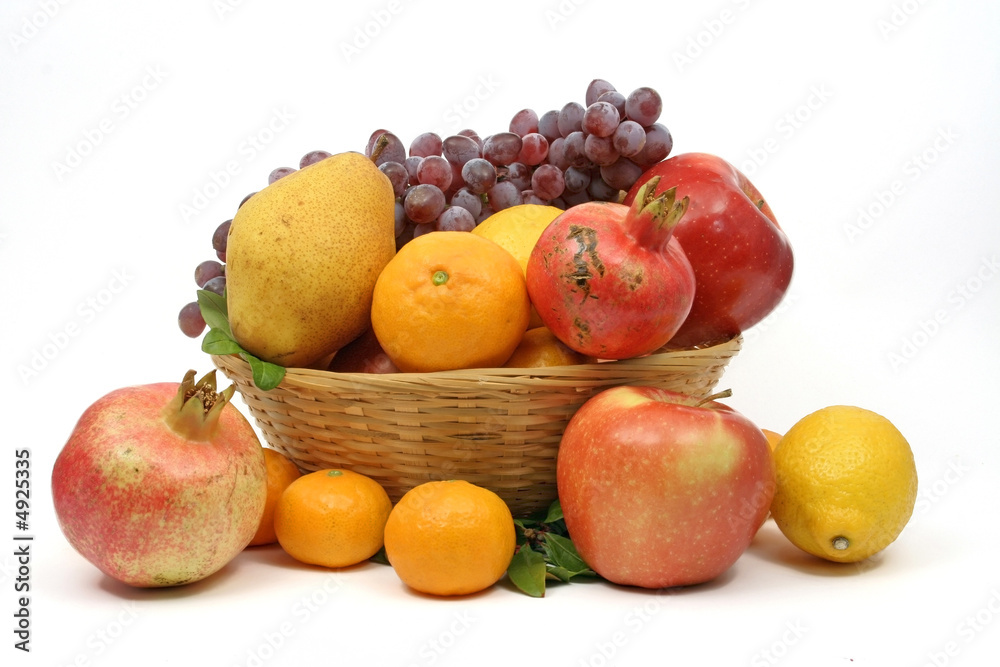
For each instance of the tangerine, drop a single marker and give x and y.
(333, 518)
(450, 538)
(450, 300)
(281, 472)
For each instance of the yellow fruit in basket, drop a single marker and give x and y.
(539, 347)
(303, 256)
(516, 229)
(450, 538)
(450, 300)
(846, 483)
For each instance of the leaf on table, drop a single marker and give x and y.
(564, 560)
(527, 572)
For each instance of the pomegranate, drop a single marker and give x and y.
(161, 484)
(610, 280)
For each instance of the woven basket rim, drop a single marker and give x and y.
(317, 379)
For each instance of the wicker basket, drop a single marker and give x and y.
(498, 428)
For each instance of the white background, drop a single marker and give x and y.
(888, 107)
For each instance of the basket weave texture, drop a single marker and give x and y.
(498, 428)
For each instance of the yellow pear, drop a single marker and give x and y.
(303, 256)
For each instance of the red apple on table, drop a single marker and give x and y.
(741, 258)
(660, 490)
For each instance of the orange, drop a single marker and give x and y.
(450, 300)
(332, 518)
(772, 438)
(450, 538)
(280, 473)
(540, 347)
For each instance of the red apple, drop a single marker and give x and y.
(741, 258)
(659, 489)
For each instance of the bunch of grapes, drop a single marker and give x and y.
(563, 157)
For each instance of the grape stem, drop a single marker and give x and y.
(380, 145)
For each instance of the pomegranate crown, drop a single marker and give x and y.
(194, 410)
(654, 216)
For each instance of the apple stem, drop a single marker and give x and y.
(725, 393)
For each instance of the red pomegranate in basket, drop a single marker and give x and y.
(609, 280)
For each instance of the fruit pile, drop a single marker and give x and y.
(580, 152)
(573, 237)
(669, 270)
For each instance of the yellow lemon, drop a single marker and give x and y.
(516, 229)
(846, 483)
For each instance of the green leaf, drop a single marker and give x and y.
(214, 311)
(560, 573)
(563, 555)
(217, 341)
(555, 512)
(266, 375)
(527, 572)
(380, 557)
